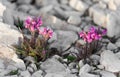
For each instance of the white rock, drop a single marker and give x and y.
(2, 9)
(18, 63)
(37, 74)
(25, 74)
(75, 20)
(6, 35)
(111, 5)
(6, 52)
(110, 61)
(78, 5)
(81, 64)
(107, 74)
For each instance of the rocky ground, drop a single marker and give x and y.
(66, 18)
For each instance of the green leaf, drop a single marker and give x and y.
(71, 58)
(14, 72)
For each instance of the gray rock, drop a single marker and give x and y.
(66, 7)
(59, 75)
(100, 66)
(113, 28)
(25, 74)
(22, 16)
(75, 20)
(107, 74)
(62, 44)
(64, 2)
(73, 71)
(111, 46)
(110, 61)
(81, 64)
(52, 65)
(25, 8)
(34, 12)
(2, 66)
(78, 5)
(46, 2)
(33, 66)
(37, 74)
(60, 12)
(98, 14)
(46, 9)
(11, 76)
(85, 69)
(88, 75)
(73, 13)
(8, 17)
(30, 69)
(24, 1)
(57, 24)
(117, 43)
(9, 5)
(2, 9)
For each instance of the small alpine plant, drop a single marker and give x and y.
(37, 44)
(93, 42)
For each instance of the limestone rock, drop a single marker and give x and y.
(110, 61)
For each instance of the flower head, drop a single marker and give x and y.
(33, 23)
(92, 34)
(46, 32)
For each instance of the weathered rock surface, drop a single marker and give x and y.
(110, 61)
(63, 42)
(8, 36)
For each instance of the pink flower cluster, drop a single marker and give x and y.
(33, 23)
(93, 34)
(46, 32)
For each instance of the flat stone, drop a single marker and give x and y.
(61, 44)
(52, 65)
(110, 61)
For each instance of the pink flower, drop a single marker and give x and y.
(33, 23)
(92, 34)
(46, 32)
